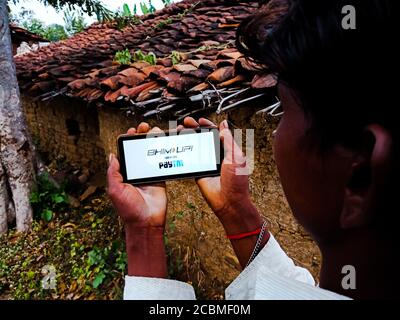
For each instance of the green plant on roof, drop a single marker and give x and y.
(123, 57)
(164, 23)
(125, 17)
(149, 58)
(152, 9)
(187, 11)
(176, 57)
(126, 11)
(146, 9)
(166, 2)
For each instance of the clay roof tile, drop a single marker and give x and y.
(203, 32)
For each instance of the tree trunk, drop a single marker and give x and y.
(17, 166)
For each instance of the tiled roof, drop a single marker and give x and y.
(19, 35)
(211, 72)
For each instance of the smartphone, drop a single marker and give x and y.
(170, 155)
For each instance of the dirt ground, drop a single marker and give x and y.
(201, 254)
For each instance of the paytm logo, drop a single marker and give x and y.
(170, 164)
(163, 151)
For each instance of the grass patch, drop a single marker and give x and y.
(84, 254)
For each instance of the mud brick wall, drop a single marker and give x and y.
(66, 128)
(114, 122)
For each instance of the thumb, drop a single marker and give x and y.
(114, 177)
(233, 153)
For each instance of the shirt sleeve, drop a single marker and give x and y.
(274, 276)
(271, 276)
(141, 288)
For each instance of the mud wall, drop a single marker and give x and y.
(66, 128)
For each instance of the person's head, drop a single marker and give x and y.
(337, 145)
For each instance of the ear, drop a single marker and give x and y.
(369, 170)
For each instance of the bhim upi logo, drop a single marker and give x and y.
(49, 281)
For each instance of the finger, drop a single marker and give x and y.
(114, 177)
(177, 129)
(233, 153)
(209, 183)
(207, 123)
(155, 130)
(189, 122)
(131, 131)
(143, 127)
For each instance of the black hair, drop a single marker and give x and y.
(344, 78)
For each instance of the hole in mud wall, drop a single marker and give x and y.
(73, 129)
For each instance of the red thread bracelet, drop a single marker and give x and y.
(244, 235)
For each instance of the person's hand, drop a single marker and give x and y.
(228, 194)
(143, 206)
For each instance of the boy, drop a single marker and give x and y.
(336, 149)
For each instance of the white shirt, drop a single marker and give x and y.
(271, 276)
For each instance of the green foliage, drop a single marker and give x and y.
(100, 263)
(187, 11)
(53, 32)
(146, 9)
(166, 2)
(164, 23)
(179, 16)
(123, 57)
(191, 206)
(34, 25)
(47, 199)
(125, 17)
(91, 7)
(140, 56)
(176, 57)
(151, 58)
(74, 22)
(84, 248)
(98, 280)
(152, 9)
(126, 11)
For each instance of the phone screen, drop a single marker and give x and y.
(165, 156)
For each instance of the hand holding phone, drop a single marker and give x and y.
(228, 195)
(142, 206)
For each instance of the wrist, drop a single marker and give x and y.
(134, 230)
(240, 218)
(146, 251)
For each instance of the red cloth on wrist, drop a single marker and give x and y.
(244, 235)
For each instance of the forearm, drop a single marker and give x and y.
(146, 252)
(240, 219)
